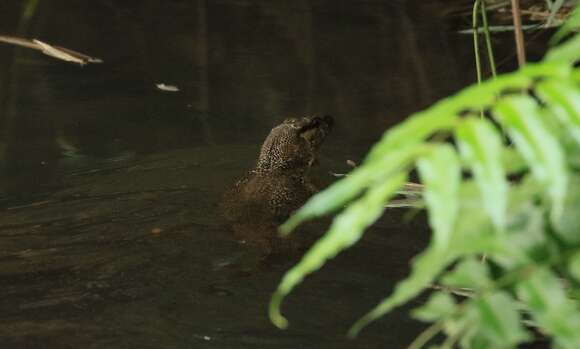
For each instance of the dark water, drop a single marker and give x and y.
(109, 233)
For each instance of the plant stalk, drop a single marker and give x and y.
(490, 55)
(475, 27)
(426, 335)
(519, 34)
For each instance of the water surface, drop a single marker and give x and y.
(109, 233)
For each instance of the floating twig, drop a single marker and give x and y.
(57, 52)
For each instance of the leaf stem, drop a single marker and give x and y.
(426, 335)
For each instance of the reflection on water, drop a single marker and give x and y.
(109, 186)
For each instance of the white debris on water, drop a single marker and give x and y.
(167, 88)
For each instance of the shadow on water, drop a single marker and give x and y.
(109, 231)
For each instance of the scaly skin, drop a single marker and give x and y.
(280, 182)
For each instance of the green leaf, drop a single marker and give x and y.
(424, 269)
(475, 340)
(465, 326)
(574, 266)
(444, 114)
(346, 229)
(513, 162)
(439, 305)
(568, 226)
(542, 291)
(520, 117)
(571, 24)
(575, 76)
(526, 241)
(568, 52)
(465, 215)
(544, 295)
(481, 147)
(474, 231)
(541, 71)
(440, 172)
(471, 236)
(345, 190)
(500, 320)
(411, 132)
(470, 273)
(564, 99)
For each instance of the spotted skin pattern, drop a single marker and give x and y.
(280, 182)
